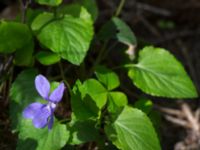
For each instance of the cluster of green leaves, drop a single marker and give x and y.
(101, 113)
(67, 34)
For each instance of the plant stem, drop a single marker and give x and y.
(119, 8)
(124, 66)
(101, 53)
(64, 120)
(99, 58)
(63, 77)
(109, 49)
(24, 7)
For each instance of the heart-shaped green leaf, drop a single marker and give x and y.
(158, 73)
(82, 105)
(107, 77)
(132, 130)
(116, 100)
(68, 36)
(97, 92)
(117, 29)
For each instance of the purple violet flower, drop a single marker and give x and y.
(42, 114)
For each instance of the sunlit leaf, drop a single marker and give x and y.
(132, 130)
(159, 73)
(97, 92)
(82, 105)
(68, 36)
(107, 77)
(116, 101)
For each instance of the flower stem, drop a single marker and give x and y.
(119, 8)
(99, 58)
(64, 120)
(102, 52)
(63, 77)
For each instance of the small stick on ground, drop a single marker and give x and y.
(188, 119)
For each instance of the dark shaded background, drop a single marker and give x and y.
(174, 25)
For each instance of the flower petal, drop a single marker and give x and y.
(50, 123)
(40, 120)
(31, 110)
(42, 85)
(57, 94)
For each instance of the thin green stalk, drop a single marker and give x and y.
(58, 77)
(64, 120)
(63, 77)
(130, 65)
(101, 53)
(99, 58)
(124, 66)
(109, 49)
(9, 84)
(24, 8)
(119, 8)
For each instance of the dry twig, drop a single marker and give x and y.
(188, 119)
